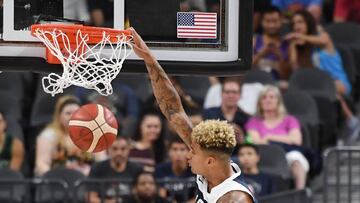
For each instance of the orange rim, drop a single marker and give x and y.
(95, 33)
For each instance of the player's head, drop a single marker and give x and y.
(230, 92)
(144, 186)
(2, 123)
(271, 21)
(119, 150)
(212, 143)
(64, 108)
(177, 150)
(248, 156)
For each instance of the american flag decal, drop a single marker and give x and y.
(199, 25)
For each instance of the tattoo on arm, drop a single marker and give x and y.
(169, 101)
(235, 197)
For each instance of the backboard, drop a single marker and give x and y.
(187, 36)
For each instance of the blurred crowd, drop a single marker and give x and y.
(299, 98)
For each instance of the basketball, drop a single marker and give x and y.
(93, 128)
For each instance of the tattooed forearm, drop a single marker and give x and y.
(169, 100)
(235, 197)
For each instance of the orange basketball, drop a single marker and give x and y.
(93, 128)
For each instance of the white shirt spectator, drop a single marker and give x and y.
(248, 101)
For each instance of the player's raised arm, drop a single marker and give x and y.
(165, 93)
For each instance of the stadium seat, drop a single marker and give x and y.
(139, 83)
(347, 35)
(195, 86)
(321, 87)
(293, 196)
(344, 33)
(306, 136)
(348, 62)
(57, 192)
(314, 81)
(303, 106)
(12, 83)
(254, 76)
(12, 186)
(273, 161)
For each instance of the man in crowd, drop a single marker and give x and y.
(116, 168)
(229, 110)
(176, 169)
(270, 50)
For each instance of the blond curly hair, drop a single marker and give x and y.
(214, 135)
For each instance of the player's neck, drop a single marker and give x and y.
(223, 172)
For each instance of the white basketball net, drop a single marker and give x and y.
(91, 67)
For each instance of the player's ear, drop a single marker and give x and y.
(210, 160)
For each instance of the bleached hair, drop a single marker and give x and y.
(214, 135)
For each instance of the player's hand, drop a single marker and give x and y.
(139, 46)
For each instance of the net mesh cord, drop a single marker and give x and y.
(91, 67)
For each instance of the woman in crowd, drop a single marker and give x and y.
(311, 47)
(149, 148)
(11, 148)
(54, 147)
(273, 125)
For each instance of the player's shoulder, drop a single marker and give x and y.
(236, 196)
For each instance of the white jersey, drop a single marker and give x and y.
(230, 184)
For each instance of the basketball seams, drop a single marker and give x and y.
(102, 125)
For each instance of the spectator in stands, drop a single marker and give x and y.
(102, 12)
(311, 46)
(347, 10)
(289, 7)
(249, 95)
(261, 183)
(259, 7)
(54, 147)
(272, 124)
(213, 6)
(176, 169)
(229, 110)
(149, 148)
(118, 167)
(192, 5)
(144, 190)
(11, 148)
(270, 50)
(123, 103)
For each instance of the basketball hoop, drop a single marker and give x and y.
(91, 67)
